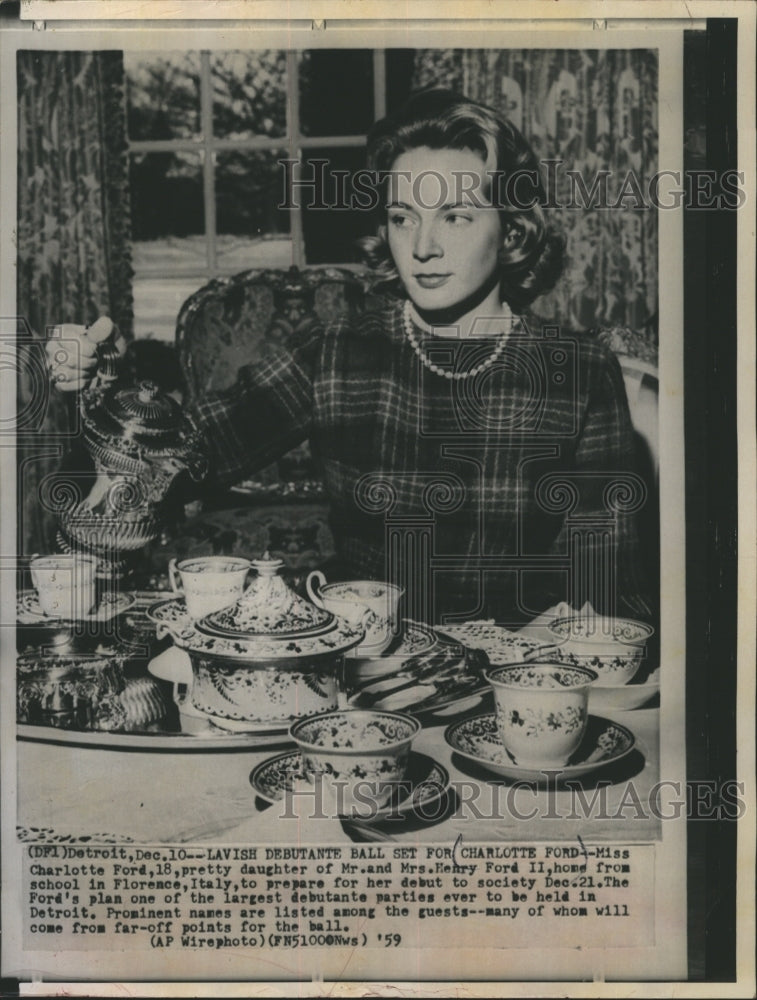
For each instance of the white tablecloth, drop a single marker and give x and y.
(74, 792)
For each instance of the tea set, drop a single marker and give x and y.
(254, 661)
(257, 658)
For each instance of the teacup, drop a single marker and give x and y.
(614, 647)
(363, 755)
(542, 711)
(208, 583)
(65, 584)
(351, 600)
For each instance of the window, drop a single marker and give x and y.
(206, 133)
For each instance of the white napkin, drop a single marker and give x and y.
(173, 664)
(538, 626)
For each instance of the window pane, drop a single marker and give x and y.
(336, 91)
(236, 253)
(252, 229)
(157, 300)
(331, 232)
(166, 196)
(165, 254)
(249, 190)
(249, 94)
(163, 94)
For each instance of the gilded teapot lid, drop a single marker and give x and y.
(268, 621)
(130, 427)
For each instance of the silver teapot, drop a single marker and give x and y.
(138, 441)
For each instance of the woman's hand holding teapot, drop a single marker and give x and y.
(74, 352)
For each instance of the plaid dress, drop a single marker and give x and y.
(494, 496)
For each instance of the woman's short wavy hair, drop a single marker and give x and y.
(532, 253)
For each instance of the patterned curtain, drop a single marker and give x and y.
(73, 250)
(592, 110)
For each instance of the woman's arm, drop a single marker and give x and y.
(266, 413)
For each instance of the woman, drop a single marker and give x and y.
(465, 455)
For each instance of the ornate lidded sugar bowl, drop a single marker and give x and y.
(139, 441)
(266, 660)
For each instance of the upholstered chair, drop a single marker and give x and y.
(225, 324)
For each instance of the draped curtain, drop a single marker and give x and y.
(590, 110)
(73, 251)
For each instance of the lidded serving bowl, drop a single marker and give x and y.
(139, 441)
(266, 660)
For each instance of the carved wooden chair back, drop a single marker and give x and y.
(227, 323)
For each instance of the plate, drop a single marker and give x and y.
(29, 612)
(415, 639)
(501, 646)
(455, 704)
(442, 705)
(189, 716)
(442, 678)
(420, 699)
(477, 740)
(425, 782)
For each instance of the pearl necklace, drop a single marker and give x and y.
(445, 373)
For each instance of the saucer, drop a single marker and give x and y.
(425, 782)
(415, 639)
(29, 612)
(477, 740)
(623, 697)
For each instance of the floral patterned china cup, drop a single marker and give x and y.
(208, 583)
(614, 647)
(542, 711)
(363, 755)
(351, 599)
(65, 584)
